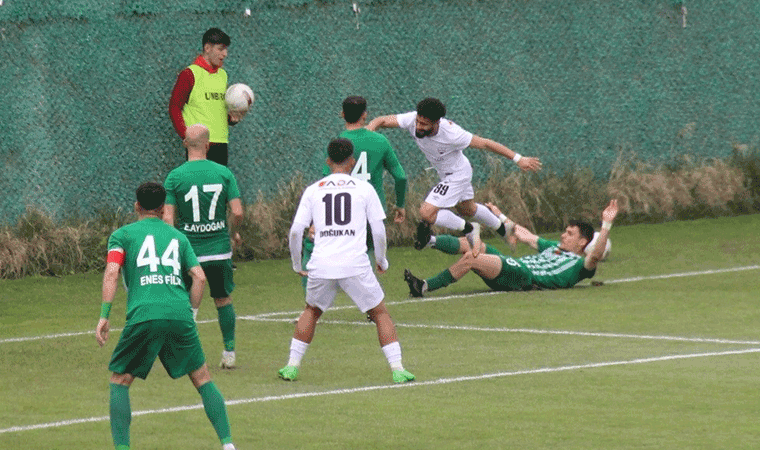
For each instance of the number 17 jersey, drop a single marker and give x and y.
(200, 191)
(340, 207)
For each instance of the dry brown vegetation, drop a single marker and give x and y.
(684, 189)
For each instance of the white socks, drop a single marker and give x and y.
(486, 217)
(448, 219)
(297, 350)
(392, 353)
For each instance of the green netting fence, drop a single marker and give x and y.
(86, 83)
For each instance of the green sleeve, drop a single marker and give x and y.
(232, 190)
(393, 166)
(169, 186)
(326, 170)
(114, 241)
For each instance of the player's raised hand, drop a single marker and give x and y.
(529, 163)
(610, 212)
(101, 331)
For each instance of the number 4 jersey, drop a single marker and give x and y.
(154, 257)
(200, 191)
(339, 206)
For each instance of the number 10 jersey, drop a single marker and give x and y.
(340, 207)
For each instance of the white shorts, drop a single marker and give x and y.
(363, 289)
(447, 194)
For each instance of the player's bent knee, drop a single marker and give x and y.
(220, 302)
(200, 376)
(124, 379)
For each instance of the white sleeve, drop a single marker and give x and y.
(375, 209)
(295, 242)
(407, 121)
(378, 237)
(301, 220)
(461, 138)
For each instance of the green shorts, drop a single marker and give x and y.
(218, 278)
(512, 277)
(174, 342)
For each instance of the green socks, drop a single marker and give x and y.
(227, 325)
(121, 416)
(443, 279)
(447, 244)
(216, 411)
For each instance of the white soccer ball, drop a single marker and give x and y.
(592, 244)
(239, 98)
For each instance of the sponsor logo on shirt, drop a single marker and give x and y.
(340, 183)
(214, 95)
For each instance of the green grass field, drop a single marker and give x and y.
(662, 356)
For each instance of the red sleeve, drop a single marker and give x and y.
(117, 256)
(180, 95)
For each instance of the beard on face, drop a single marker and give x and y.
(422, 133)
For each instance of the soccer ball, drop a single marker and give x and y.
(239, 98)
(592, 244)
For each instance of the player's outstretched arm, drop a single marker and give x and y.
(382, 122)
(523, 162)
(608, 216)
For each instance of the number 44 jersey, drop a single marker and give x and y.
(339, 206)
(155, 257)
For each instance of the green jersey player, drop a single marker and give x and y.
(154, 258)
(558, 265)
(197, 195)
(374, 155)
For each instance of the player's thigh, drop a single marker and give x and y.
(485, 265)
(181, 352)
(138, 346)
(511, 277)
(363, 289)
(448, 194)
(321, 292)
(219, 277)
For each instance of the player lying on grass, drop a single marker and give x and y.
(558, 265)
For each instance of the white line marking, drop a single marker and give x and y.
(439, 381)
(534, 331)
(264, 316)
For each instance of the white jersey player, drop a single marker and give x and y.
(443, 143)
(340, 207)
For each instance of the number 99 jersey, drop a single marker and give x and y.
(339, 206)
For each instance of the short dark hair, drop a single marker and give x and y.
(215, 36)
(339, 150)
(585, 228)
(431, 108)
(353, 108)
(151, 196)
